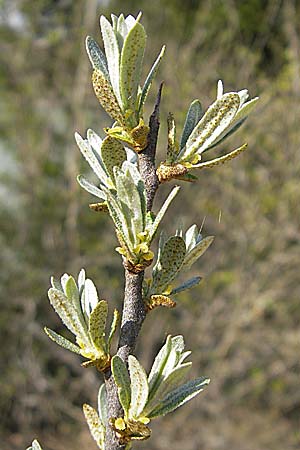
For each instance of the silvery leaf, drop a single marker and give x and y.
(112, 54)
(179, 396)
(171, 260)
(96, 56)
(193, 116)
(90, 188)
(171, 382)
(191, 237)
(156, 374)
(97, 324)
(68, 314)
(139, 387)
(197, 251)
(95, 425)
(89, 297)
(88, 154)
(153, 228)
(113, 327)
(60, 340)
(149, 79)
(221, 159)
(112, 154)
(131, 65)
(186, 285)
(217, 118)
(228, 132)
(122, 380)
(102, 404)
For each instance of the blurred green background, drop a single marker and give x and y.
(242, 322)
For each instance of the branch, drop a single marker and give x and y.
(134, 311)
(147, 156)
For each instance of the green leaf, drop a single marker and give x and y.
(89, 298)
(102, 404)
(217, 118)
(88, 154)
(113, 327)
(193, 116)
(56, 284)
(35, 446)
(122, 381)
(221, 159)
(96, 56)
(106, 96)
(172, 149)
(90, 188)
(178, 344)
(96, 427)
(97, 324)
(197, 251)
(227, 133)
(186, 285)
(149, 79)
(179, 396)
(153, 228)
(171, 260)
(139, 387)
(68, 314)
(112, 154)
(246, 109)
(191, 237)
(131, 65)
(119, 219)
(112, 54)
(60, 340)
(130, 203)
(169, 383)
(157, 370)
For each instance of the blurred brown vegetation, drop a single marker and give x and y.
(242, 323)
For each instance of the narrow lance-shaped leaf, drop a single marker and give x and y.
(89, 298)
(217, 118)
(88, 154)
(66, 311)
(113, 55)
(63, 342)
(95, 425)
(172, 381)
(227, 133)
(221, 159)
(161, 213)
(96, 56)
(156, 373)
(131, 64)
(35, 446)
(72, 293)
(139, 387)
(179, 396)
(131, 204)
(112, 154)
(106, 96)
(97, 324)
(122, 380)
(150, 78)
(171, 260)
(90, 188)
(186, 285)
(193, 116)
(102, 404)
(113, 327)
(197, 251)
